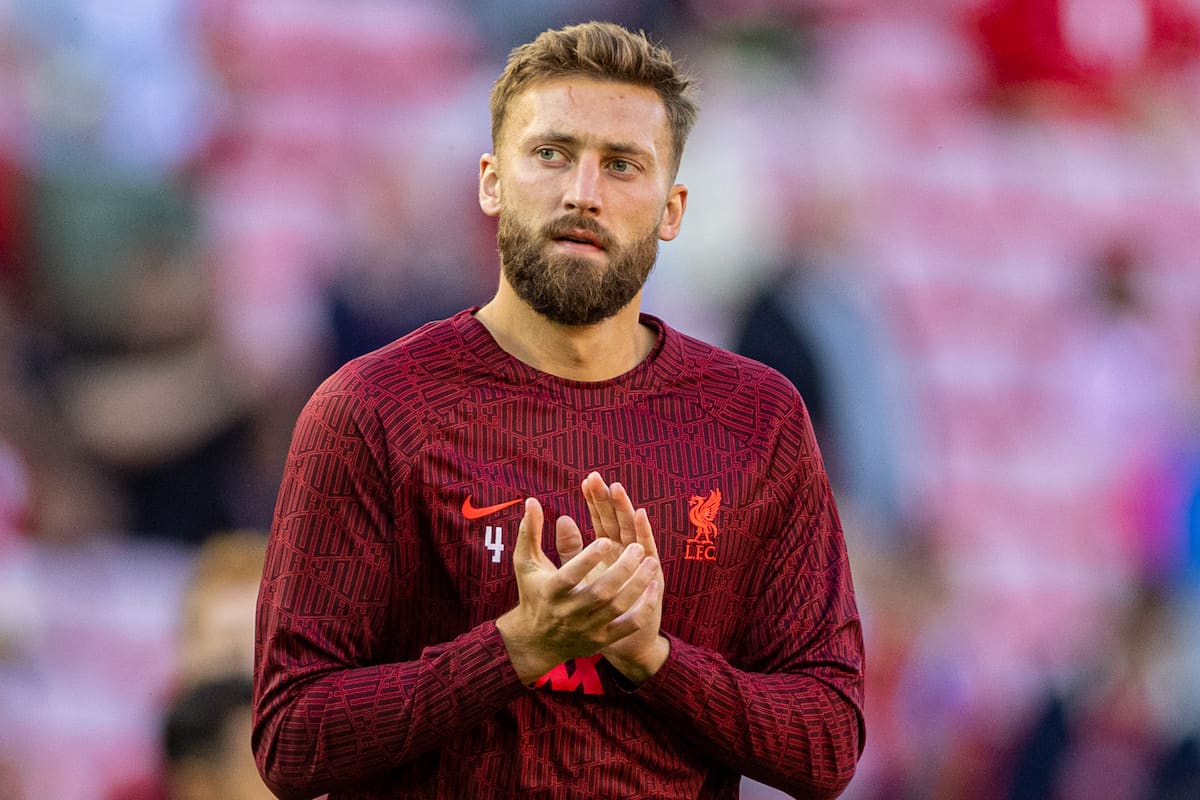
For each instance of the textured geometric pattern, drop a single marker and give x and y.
(379, 670)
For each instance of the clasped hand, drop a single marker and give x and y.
(606, 597)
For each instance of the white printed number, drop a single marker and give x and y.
(494, 541)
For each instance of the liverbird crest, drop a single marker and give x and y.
(701, 513)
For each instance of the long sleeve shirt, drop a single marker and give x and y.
(379, 669)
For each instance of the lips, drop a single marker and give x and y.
(578, 233)
(579, 236)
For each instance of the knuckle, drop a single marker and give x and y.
(598, 639)
(603, 593)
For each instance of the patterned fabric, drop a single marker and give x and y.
(380, 672)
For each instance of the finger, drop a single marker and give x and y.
(647, 570)
(574, 572)
(644, 532)
(595, 494)
(604, 588)
(623, 512)
(528, 548)
(568, 539)
(639, 613)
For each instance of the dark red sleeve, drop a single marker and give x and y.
(790, 713)
(321, 719)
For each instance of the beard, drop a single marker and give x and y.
(573, 290)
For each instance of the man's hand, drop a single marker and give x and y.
(602, 595)
(640, 654)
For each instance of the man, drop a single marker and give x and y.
(417, 636)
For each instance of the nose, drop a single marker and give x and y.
(583, 187)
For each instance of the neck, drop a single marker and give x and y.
(591, 353)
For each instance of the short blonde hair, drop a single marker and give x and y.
(605, 51)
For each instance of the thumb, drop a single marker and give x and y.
(568, 539)
(528, 549)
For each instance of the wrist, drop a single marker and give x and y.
(640, 668)
(529, 661)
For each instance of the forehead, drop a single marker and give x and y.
(591, 110)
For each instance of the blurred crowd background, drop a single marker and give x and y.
(969, 230)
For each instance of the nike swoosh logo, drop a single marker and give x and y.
(471, 512)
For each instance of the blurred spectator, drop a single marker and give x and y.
(914, 693)
(216, 630)
(215, 652)
(153, 403)
(414, 254)
(207, 743)
(814, 325)
(1120, 727)
(49, 486)
(772, 330)
(119, 106)
(1117, 384)
(1161, 501)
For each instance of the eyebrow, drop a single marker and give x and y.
(624, 148)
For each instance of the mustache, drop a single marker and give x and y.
(578, 222)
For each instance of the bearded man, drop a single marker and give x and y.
(417, 637)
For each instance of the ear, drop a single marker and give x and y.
(672, 217)
(489, 185)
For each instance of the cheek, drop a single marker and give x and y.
(530, 183)
(518, 200)
(648, 222)
(639, 208)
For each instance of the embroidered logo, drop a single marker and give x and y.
(582, 675)
(470, 511)
(493, 539)
(701, 513)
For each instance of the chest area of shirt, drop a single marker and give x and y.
(472, 515)
(697, 484)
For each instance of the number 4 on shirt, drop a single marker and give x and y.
(494, 540)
